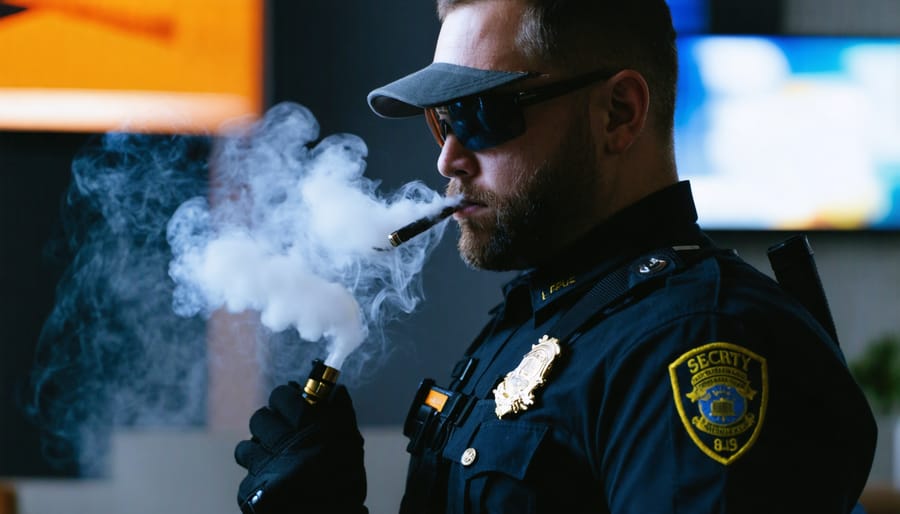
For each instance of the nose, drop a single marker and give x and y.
(456, 161)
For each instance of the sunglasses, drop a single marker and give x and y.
(490, 119)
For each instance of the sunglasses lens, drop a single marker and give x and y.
(444, 129)
(436, 125)
(478, 122)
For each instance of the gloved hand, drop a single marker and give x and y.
(303, 458)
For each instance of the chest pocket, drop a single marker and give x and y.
(489, 468)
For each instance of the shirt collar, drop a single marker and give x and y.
(663, 218)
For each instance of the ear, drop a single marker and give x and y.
(627, 104)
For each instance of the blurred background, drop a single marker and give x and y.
(788, 122)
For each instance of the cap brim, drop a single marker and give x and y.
(437, 84)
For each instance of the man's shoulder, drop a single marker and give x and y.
(719, 283)
(717, 297)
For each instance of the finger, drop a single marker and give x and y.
(340, 404)
(286, 401)
(268, 427)
(248, 453)
(340, 398)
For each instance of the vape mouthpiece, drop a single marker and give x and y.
(321, 381)
(415, 228)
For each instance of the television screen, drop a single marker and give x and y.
(690, 16)
(791, 132)
(136, 65)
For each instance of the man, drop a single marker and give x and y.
(633, 367)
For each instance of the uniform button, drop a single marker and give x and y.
(469, 456)
(653, 265)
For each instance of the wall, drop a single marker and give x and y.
(189, 472)
(867, 17)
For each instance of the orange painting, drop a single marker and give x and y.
(135, 65)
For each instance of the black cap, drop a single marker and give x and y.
(437, 84)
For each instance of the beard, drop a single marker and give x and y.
(531, 220)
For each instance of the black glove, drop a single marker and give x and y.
(303, 458)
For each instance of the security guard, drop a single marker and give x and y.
(634, 367)
(695, 385)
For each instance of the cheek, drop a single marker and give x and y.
(503, 174)
(505, 168)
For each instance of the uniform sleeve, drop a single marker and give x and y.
(717, 413)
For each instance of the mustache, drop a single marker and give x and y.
(471, 195)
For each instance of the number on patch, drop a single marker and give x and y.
(725, 445)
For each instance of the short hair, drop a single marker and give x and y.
(580, 35)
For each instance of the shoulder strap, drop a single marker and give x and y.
(637, 277)
(795, 271)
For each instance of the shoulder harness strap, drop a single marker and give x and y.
(639, 277)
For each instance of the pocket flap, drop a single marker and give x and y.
(500, 447)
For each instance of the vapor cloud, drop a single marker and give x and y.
(165, 231)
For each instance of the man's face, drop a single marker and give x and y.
(529, 194)
(514, 226)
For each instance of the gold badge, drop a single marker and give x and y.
(516, 392)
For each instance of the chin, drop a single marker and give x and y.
(488, 255)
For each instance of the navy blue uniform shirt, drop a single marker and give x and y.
(714, 392)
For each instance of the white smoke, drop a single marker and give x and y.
(163, 231)
(300, 235)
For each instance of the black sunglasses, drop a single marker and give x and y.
(493, 118)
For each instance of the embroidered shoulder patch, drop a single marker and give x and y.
(721, 391)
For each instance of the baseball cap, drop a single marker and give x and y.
(437, 84)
